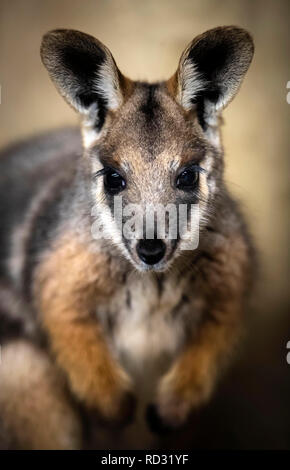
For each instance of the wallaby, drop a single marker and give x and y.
(107, 324)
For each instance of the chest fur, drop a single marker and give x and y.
(145, 321)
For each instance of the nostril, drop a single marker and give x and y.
(151, 251)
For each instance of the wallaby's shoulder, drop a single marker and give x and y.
(32, 173)
(40, 149)
(27, 165)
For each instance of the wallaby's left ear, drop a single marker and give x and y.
(211, 70)
(86, 75)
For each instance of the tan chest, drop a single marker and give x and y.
(145, 323)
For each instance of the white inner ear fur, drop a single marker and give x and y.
(212, 118)
(107, 85)
(89, 134)
(88, 127)
(190, 83)
(212, 134)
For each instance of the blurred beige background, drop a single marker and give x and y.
(146, 39)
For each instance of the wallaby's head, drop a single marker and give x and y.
(151, 144)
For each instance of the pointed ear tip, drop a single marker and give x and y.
(54, 39)
(246, 41)
(240, 36)
(54, 33)
(50, 38)
(244, 34)
(57, 38)
(63, 34)
(237, 32)
(52, 42)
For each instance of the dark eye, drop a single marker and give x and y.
(114, 182)
(188, 179)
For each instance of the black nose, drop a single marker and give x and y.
(151, 251)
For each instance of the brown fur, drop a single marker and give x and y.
(69, 283)
(190, 381)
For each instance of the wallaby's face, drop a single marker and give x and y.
(151, 145)
(155, 155)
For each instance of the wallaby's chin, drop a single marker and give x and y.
(159, 267)
(144, 268)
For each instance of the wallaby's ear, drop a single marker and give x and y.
(86, 75)
(211, 70)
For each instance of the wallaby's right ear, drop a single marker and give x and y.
(86, 75)
(211, 70)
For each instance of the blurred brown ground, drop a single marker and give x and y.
(146, 39)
